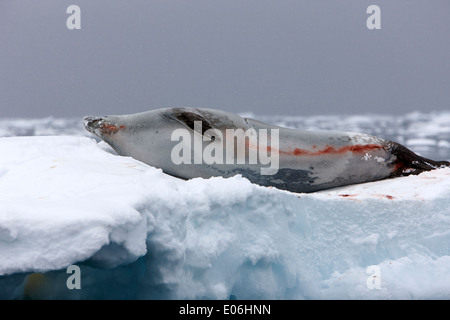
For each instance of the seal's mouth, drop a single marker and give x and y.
(100, 126)
(93, 124)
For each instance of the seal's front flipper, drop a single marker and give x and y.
(407, 162)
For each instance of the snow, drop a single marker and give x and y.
(137, 233)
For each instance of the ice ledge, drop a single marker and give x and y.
(65, 200)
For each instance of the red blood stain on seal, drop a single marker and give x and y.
(108, 128)
(357, 148)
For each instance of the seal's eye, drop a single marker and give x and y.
(213, 138)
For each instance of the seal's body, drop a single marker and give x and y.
(192, 142)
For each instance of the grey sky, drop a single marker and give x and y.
(288, 57)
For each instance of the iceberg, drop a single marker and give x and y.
(137, 233)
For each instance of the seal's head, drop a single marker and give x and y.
(100, 126)
(130, 135)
